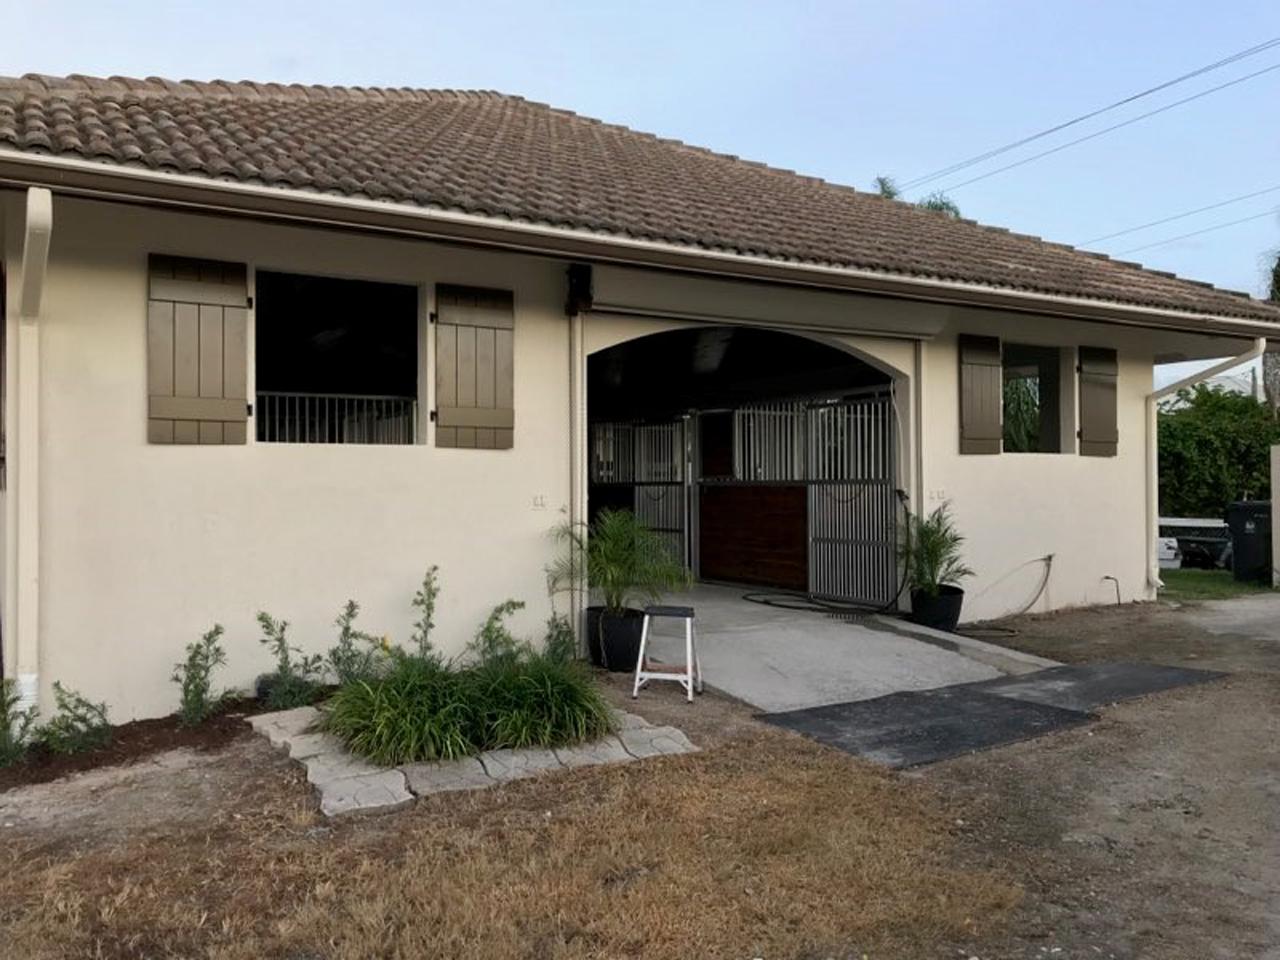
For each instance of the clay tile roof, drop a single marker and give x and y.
(503, 156)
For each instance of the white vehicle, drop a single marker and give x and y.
(1169, 552)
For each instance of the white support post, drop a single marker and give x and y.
(22, 589)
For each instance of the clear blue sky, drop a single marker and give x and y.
(840, 90)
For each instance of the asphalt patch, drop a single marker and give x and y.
(1086, 687)
(924, 726)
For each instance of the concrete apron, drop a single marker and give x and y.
(777, 659)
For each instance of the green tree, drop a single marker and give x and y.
(1271, 361)
(888, 188)
(1215, 447)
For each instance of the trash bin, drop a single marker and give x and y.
(1250, 525)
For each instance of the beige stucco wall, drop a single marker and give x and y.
(142, 547)
(1018, 507)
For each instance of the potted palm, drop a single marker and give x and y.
(623, 563)
(934, 568)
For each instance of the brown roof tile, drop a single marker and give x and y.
(502, 156)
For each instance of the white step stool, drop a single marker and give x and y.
(689, 675)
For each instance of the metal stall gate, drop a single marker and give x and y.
(651, 458)
(853, 522)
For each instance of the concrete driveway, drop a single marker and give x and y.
(779, 659)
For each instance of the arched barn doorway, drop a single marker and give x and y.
(763, 458)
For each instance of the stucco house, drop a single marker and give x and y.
(271, 347)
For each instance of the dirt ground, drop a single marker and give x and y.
(1153, 833)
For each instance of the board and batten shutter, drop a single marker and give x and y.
(197, 351)
(981, 391)
(1099, 433)
(475, 374)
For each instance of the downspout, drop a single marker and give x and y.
(1153, 464)
(577, 302)
(22, 589)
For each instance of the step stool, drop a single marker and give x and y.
(690, 674)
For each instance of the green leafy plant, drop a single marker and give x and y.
(294, 683)
(493, 641)
(619, 558)
(931, 551)
(357, 655)
(560, 643)
(534, 700)
(16, 726)
(425, 602)
(1021, 414)
(78, 725)
(420, 710)
(195, 676)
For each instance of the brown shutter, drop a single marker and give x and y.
(197, 352)
(475, 378)
(1099, 434)
(981, 391)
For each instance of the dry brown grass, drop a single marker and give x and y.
(764, 847)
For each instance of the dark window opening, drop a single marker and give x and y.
(1032, 399)
(337, 360)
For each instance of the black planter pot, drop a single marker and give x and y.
(613, 640)
(942, 612)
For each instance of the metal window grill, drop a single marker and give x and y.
(336, 418)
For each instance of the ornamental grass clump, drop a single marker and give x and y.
(504, 694)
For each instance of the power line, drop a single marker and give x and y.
(1180, 216)
(1110, 129)
(1196, 233)
(963, 164)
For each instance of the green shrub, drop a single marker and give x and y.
(16, 726)
(420, 710)
(425, 601)
(78, 725)
(195, 676)
(493, 641)
(560, 643)
(294, 683)
(357, 655)
(535, 700)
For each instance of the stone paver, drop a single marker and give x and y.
(378, 792)
(607, 750)
(505, 765)
(305, 745)
(283, 724)
(654, 742)
(324, 767)
(349, 785)
(465, 774)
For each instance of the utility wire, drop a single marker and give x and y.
(1113, 127)
(1180, 216)
(1196, 233)
(963, 164)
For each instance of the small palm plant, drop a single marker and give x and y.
(931, 551)
(624, 563)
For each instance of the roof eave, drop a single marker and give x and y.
(87, 178)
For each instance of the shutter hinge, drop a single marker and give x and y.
(432, 317)
(248, 409)
(434, 415)
(250, 299)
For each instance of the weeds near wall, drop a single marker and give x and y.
(425, 602)
(16, 726)
(195, 676)
(295, 681)
(357, 655)
(78, 725)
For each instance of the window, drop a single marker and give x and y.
(1031, 398)
(337, 360)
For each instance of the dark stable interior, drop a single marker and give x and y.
(324, 335)
(749, 532)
